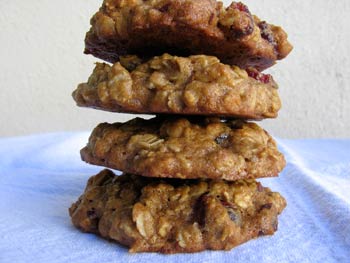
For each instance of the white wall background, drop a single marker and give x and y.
(41, 44)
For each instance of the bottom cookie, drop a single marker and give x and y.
(173, 215)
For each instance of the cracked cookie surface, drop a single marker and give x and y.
(193, 147)
(185, 27)
(196, 85)
(174, 216)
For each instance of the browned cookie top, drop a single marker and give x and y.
(184, 27)
(185, 148)
(197, 85)
(173, 216)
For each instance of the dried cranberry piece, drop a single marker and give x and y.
(225, 204)
(260, 187)
(241, 7)
(255, 74)
(265, 78)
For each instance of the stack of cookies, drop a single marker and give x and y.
(188, 181)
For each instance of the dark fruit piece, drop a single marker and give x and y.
(91, 214)
(164, 8)
(265, 206)
(260, 187)
(221, 138)
(245, 24)
(255, 74)
(199, 209)
(233, 212)
(266, 33)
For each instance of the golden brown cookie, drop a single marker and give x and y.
(173, 216)
(185, 148)
(197, 85)
(185, 27)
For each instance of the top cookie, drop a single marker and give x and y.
(185, 27)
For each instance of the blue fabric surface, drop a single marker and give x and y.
(40, 176)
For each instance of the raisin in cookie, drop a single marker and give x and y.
(199, 85)
(186, 148)
(173, 216)
(185, 27)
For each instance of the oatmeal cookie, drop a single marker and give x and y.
(184, 27)
(174, 216)
(197, 85)
(192, 147)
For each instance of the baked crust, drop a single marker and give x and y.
(176, 147)
(175, 216)
(196, 85)
(185, 27)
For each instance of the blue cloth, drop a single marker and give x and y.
(40, 176)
